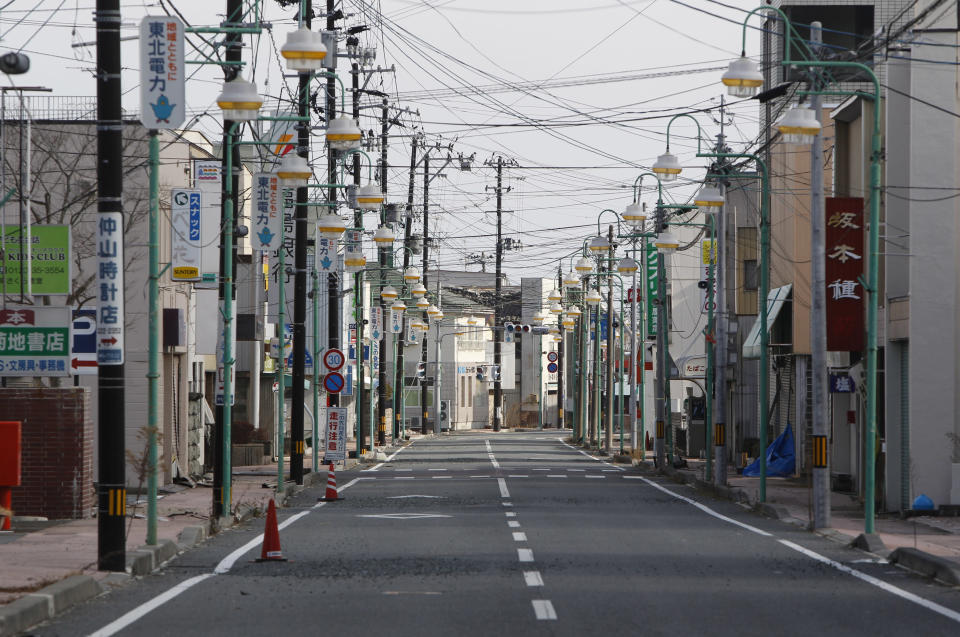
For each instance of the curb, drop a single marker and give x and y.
(933, 566)
(52, 600)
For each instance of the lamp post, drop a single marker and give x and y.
(743, 77)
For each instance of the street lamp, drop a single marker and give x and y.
(555, 296)
(599, 245)
(423, 304)
(593, 298)
(304, 50)
(343, 133)
(419, 291)
(799, 126)
(370, 197)
(627, 265)
(666, 243)
(743, 77)
(294, 171)
(709, 198)
(571, 280)
(667, 167)
(584, 265)
(635, 214)
(383, 236)
(330, 226)
(239, 100)
(412, 275)
(389, 293)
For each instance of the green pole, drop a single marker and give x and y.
(620, 376)
(228, 331)
(153, 373)
(708, 389)
(315, 464)
(641, 346)
(280, 374)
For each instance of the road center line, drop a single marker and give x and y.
(543, 609)
(525, 555)
(513, 524)
(504, 493)
(533, 578)
(519, 536)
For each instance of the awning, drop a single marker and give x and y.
(776, 299)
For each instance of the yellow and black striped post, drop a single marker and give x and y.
(819, 452)
(719, 434)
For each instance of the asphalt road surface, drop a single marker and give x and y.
(519, 534)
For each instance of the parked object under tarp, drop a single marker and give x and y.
(781, 457)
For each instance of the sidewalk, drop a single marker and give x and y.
(928, 544)
(47, 566)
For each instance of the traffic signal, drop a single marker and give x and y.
(495, 372)
(14, 63)
(481, 373)
(421, 370)
(524, 328)
(444, 411)
(510, 328)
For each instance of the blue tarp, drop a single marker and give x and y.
(781, 458)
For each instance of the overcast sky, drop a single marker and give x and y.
(577, 93)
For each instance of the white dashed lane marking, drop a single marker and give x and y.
(532, 578)
(513, 524)
(519, 537)
(543, 609)
(525, 555)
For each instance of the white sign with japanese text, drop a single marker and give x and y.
(336, 446)
(162, 77)
(185, 240)
(376, 322)
(266, 211)
(110, 307)
(396, 321)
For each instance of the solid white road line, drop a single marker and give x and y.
(493, 460)
(517, 476)
(555, 475)
(525, 555)
(442, 477)
(504, 493)
(532, 578)
(403, 478)
(612, 467)
(389, 458)
(543, 609)
(596, 477)
(869, 579)
(513, 524)
(879, 583)
(519, 536)
(125, 620)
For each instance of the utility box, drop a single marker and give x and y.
(10, 453)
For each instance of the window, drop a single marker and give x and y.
(751, 274)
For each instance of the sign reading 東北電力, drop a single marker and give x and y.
(162, 77)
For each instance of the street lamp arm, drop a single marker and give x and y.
(614, 213)
(638, 185)
(357, 151)
(695, 121)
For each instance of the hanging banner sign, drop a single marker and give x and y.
(326, 255)
(35, 341)
(844, 269)
(376, 322)
(110, 307)
(185, 240)
(396, 321)
(708, 260)
(336, 447)
(266, 212)
(651, 271)
(46, 259)
(162, 73)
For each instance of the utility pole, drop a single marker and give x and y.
(111, 485)
(560, 350)
(300, 278)
(362, 404)
(719, 410)
(333, 281)
(611, 340)
(426, 245)
(818, 312)
(660, 400)
(384, 253)
(401, 379)
(222, 471)
(498, 303)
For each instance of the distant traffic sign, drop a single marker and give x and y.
(333, 359)
(333, 382)
(552, 357)
(552, 368)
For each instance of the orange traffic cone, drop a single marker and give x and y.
(331, 494)
(271, 538)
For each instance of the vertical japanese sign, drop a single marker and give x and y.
(206, 178)
(651, 270)
(396, 321)
(110, 312)
(708, 259)
(336, 447)
(844, 269)
(376, 322)
(266, 211)
(35, 341)
(185, 242)
(162, 77)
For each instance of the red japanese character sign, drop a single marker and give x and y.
(844, 272)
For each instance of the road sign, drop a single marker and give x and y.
(162, 73)
(376, 322)
(110, 269)
(552, 357)
(552, 368)
(83, 359)
(333, 359)
(333, 382)
(35, 341)
(185, 241)
(336, 447)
